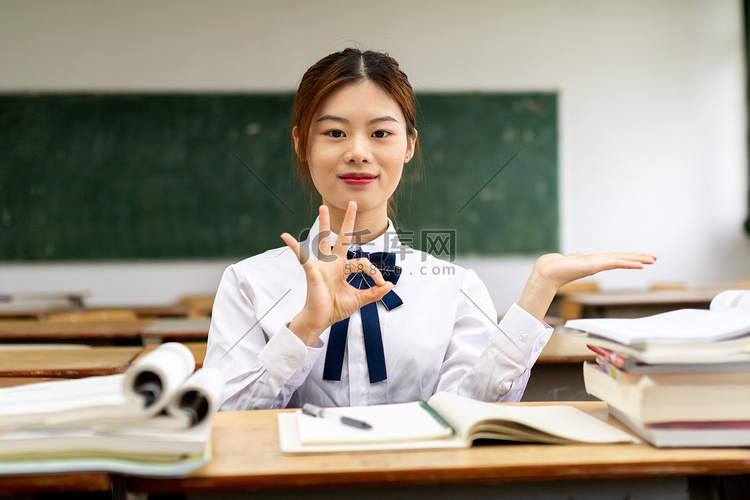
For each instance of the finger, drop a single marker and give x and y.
(324, 236)
(347, 231)
(363, 265)
(641, 257)
(624, 263)
(292, 243)
(374, 293)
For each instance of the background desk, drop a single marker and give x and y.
(127, 332)
(635, 304)
(24, 486)
(247, 457)
(88, 332)
(66, 363)
(180, 329)
(558, 373)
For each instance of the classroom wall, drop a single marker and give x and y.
(653, 152)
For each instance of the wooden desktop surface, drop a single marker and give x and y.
(66, 363)
(246, 456)
(701, 296)
(197, 348)
(153, 330)
(636, 303)
(25, 310)
(25, 329)
(563, 348)
(194, 329)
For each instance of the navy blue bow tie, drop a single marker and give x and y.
(386, 263)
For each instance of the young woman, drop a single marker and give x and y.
(351, 316)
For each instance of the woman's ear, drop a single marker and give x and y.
(411, 147)
(295, 137)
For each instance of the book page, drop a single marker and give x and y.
(38, 404)
(553, 424)
(193, 405)
(732, 300)
(390, 423)
(108, 397)
(159, 374)
(682, 325)
(736, 351)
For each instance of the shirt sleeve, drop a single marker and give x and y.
(486, 360)
(262, 366)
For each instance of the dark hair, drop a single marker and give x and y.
(341, 68)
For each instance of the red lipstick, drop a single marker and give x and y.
(357, 179)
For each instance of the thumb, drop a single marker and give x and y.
(374, 293)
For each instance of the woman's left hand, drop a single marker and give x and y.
(551, 271)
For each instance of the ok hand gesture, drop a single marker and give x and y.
(330, 298)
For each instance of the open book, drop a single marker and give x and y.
(162, 383)
(155, 419)
(445, 421)
(720, 334)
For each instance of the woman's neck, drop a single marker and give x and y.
(367, 226)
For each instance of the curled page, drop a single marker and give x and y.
(143, 390)
(192, 406)
(158, 375)
(198, 398)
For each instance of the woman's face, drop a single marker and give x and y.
(357, 148)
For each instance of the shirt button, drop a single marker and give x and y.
(291, 363)
(306, 368)
(523, 337)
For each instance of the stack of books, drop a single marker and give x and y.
(153, 420)
(677, 379)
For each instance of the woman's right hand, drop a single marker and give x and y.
(330, 298)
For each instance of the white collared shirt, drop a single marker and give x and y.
(443, 338)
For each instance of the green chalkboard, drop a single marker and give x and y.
(196, 176)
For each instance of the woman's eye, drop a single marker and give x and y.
(336, 134)
(381, 134)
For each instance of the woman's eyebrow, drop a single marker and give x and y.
(334, 118)
(383, 119)
(345, 121)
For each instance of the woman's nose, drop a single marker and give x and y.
(358, 151)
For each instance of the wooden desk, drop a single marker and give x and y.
(161, 311)
(558, 373)
(66, 363)
(634, 304)
(247, 457)
(32, 330)
(179, 329)
(561, 348)
(34, 305)
(197, 348)
(59, 483)
(16, 381)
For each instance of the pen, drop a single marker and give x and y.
(317, 411)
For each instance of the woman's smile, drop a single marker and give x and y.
(358, 178)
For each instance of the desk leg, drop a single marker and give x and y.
(120, 493)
